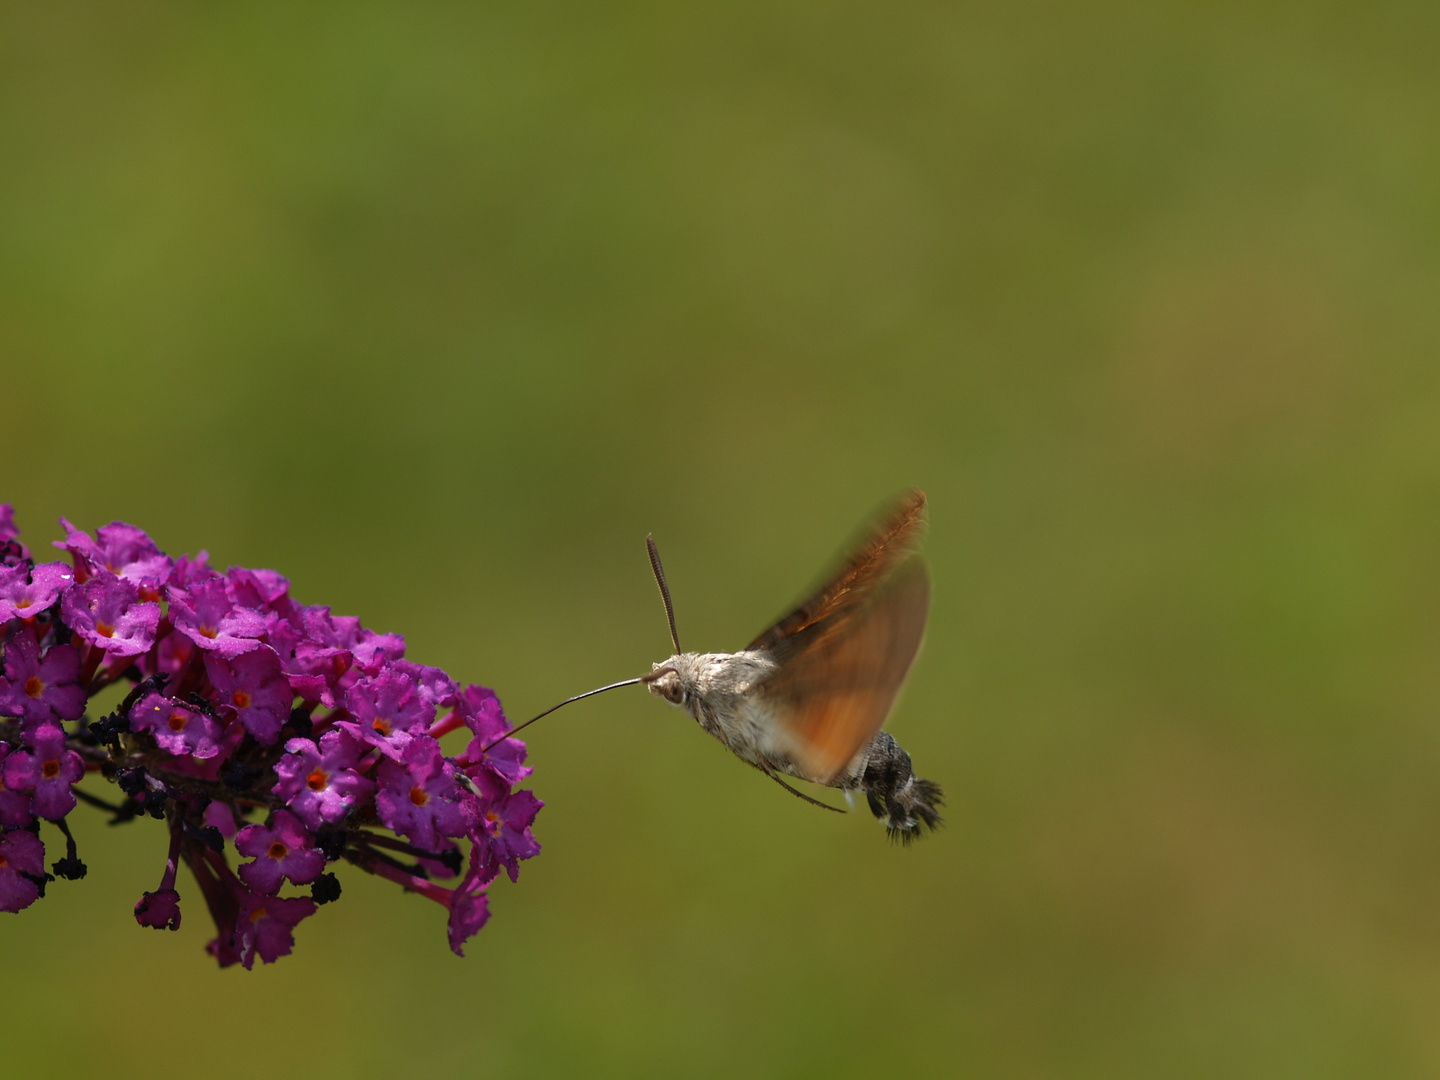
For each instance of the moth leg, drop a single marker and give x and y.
(800, 794)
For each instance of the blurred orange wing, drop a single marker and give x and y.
(832, 694)
(883, 549)
(845, 652)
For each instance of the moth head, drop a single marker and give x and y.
(665, 681)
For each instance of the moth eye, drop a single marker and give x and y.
(674, 693)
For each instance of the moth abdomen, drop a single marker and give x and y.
(897, 797)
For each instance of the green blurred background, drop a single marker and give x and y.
(440, 308)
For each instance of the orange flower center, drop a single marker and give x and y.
(381, 725)
(209, 631)
(419, 796)
(278, 850)
(318, 780)
(50, 769)
(34, 687)
(257, 914)
(177, 721)
(104, 629)
(4, 862)
(241, 699)
(24, 602)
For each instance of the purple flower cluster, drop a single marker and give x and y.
(298, 736)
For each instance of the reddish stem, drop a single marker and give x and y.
(190, 678)
(89, 665)
(446, 724)
(381, 868)
(172, 861)
(115, 668)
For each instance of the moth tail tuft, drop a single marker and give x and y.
(911, 812)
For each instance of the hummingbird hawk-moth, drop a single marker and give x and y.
(808, 697)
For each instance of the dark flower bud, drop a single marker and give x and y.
(238, 777)
(325, 889)
(131, 781)
(331, 842)
(69, 868)
(108, 727)
(12, 553)
(300, 722)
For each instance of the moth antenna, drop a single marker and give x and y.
(578, 697)
(664, 589)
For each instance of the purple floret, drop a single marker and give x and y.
(389, 711)
(107, 612)
(159, 910)
(120, 549)
(314, 670)
(41, 690)
(281, 848)
(320, 783)
(432, 684)
(26, 591)
(420, 796)
(481, 711)
(323, 628)
(469, 911)
(47, 770)
(255, 687)
(208, 616)
(190, 573)
(503, 831)
(370, 650)
(177, 729)
(14, 805)
(266, 926)
(258, 589)
(172, 655)
(22, 866)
